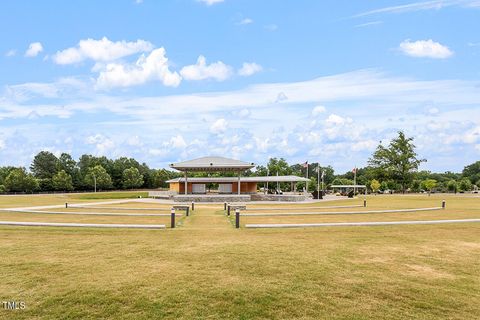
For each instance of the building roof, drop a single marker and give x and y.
(242, 179)
(212, 164)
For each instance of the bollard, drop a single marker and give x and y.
(443, 204)
(228, 210)
(237, 218)
(364, 202)
(66, 204)
(187, 211)
(193, 205)
(172, 219)
(224, 206)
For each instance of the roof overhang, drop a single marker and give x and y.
(242, 179)
(216, 164)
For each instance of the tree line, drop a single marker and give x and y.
(392, 167)
(51, 173)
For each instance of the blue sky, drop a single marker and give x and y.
(164, 81)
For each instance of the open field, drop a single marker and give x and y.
(207, 269)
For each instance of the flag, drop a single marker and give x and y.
(305, 165)
(323, 174)
(354, 170)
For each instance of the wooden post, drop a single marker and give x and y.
(364, 202)
(237, 218)
(186, 183)
(443, 204)
(66, 204)
(187, 211)
(193, 206)
(228, 210)
(172, 219)
(238, 183)
(224, 206)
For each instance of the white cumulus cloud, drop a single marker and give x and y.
(219, 126)
(318, 110)
(178, 142)
(249, 68)
(101, 50)
(425, 49)
(200, 71)
(33, 49)
(101, 143)
(245, 21)
(210, 2)
(146, 68)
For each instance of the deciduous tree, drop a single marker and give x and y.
(398, 160)
(62, 181)
(98, 175)
(132, 178)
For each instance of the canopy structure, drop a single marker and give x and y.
(218, 164)
(212, 164)
(242, 179)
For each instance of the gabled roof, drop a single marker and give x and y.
(212, 164)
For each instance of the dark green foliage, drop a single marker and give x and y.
(132, 178)
(97, 177)
(472, 172)
(398, 161)
(44, 165)
(62, 181)
(18, 180)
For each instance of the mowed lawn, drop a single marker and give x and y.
(207, 269)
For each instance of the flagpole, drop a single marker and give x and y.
(306, 182)
(318, 180)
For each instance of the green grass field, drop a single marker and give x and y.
(206, 269)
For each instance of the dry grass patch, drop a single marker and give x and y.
(209, 270)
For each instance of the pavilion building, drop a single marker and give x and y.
(237, 185)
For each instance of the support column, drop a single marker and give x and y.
(186, 183)
(238, 183)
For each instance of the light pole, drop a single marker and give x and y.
(318, 180)
(94, 183)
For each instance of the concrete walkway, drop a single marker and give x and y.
(82, 225)
(349, 224)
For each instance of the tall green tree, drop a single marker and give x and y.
(18, 180)
(44, 165)
(398, 160)
(132, 178)
(4, 172)
(429, 185)
(452, 186)
(465, 185)
(62, 181)
(118, 168)
(67, 164)
(98, 176)
(472, 172)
